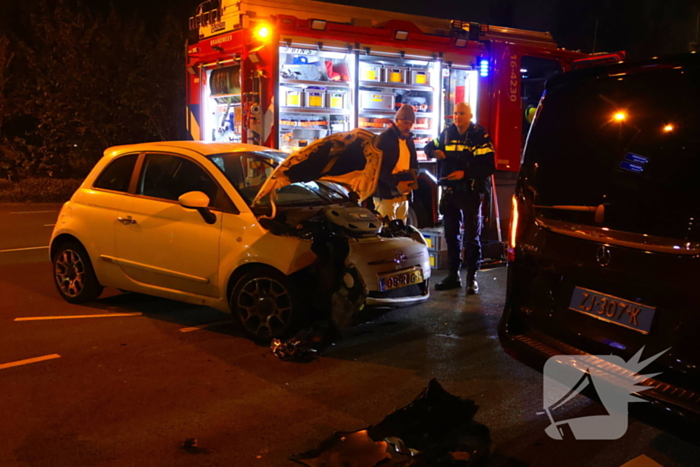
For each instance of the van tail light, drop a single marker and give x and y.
(512, 231)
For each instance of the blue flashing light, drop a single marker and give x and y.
(484, 68)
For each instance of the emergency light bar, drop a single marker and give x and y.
(483, 68)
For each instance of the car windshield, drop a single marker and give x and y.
(625, 146)
(247, 171)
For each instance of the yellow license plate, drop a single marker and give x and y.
(400, 279)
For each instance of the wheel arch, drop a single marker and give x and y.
(62, 240)
(241, 271)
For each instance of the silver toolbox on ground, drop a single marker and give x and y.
(438, 259)
(435, 238)
(370, 71)
(395, 74)
(420, 76)
(377, 100)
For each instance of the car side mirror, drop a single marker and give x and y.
(199, 201)
(194, 200)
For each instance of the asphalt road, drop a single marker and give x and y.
(126, 380)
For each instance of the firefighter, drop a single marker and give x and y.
(465, 164)
(398, 175)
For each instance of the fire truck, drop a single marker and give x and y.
(283, 74)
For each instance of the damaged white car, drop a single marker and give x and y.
(275, 240)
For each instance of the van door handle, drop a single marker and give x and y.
(126, 220)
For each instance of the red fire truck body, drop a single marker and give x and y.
(284, 74)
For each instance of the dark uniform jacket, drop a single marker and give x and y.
(388, 142)
(471, 152)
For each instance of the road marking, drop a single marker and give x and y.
(29, 360)
(30, 212)
(42, 318)
(25, 249)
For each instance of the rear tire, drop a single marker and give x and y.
(73, 274)
(265, 305)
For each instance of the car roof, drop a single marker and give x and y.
(202, 147)
(690, 60)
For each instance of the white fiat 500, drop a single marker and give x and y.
(275, 240)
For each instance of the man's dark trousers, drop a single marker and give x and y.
(462, 210)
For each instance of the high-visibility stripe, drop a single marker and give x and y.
(482, 151)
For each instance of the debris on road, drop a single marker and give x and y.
(437, 429)
(306, 344)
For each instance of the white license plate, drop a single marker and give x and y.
(631, 315)
(399, 279)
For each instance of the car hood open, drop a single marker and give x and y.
(349, 158)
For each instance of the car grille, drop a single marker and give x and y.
(415, 290)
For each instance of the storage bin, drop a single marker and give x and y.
(435, 237)
(315, 97)
(395, 74)
(294, 98)
(420, 76)
(336, 99)
(370, 71)
(438, 259)
(377, 100)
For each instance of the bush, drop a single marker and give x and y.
(38, 190)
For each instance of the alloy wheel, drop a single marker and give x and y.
(265, 307)
(69, 271)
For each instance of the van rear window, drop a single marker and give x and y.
(620, 152)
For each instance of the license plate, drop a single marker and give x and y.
(400, 279)
(631, 315)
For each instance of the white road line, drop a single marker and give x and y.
(29, 360)
(30, 212)
(25, 249)
(44, 318)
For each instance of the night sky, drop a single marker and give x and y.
(641, 27)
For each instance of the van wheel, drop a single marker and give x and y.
(73, 274)
(264, 305)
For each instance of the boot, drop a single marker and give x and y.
(472, 287)
(452, 281)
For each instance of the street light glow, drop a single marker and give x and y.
(620, 116)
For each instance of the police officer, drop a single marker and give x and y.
(465, 164)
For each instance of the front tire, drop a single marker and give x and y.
(265, 305)
(73, 274)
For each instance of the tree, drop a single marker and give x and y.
(90, 81)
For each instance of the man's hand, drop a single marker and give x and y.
(456, 175)
(439, 155)
(405, 187)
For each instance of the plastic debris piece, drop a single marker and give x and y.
(347, 449)
(305, 345)
(190, 443)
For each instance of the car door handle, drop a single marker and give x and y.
(126, 220)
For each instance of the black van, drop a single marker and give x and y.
(604, 246)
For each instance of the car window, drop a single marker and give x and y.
(168, 177)
(630, 143)
(117, 175)
(247, 171)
